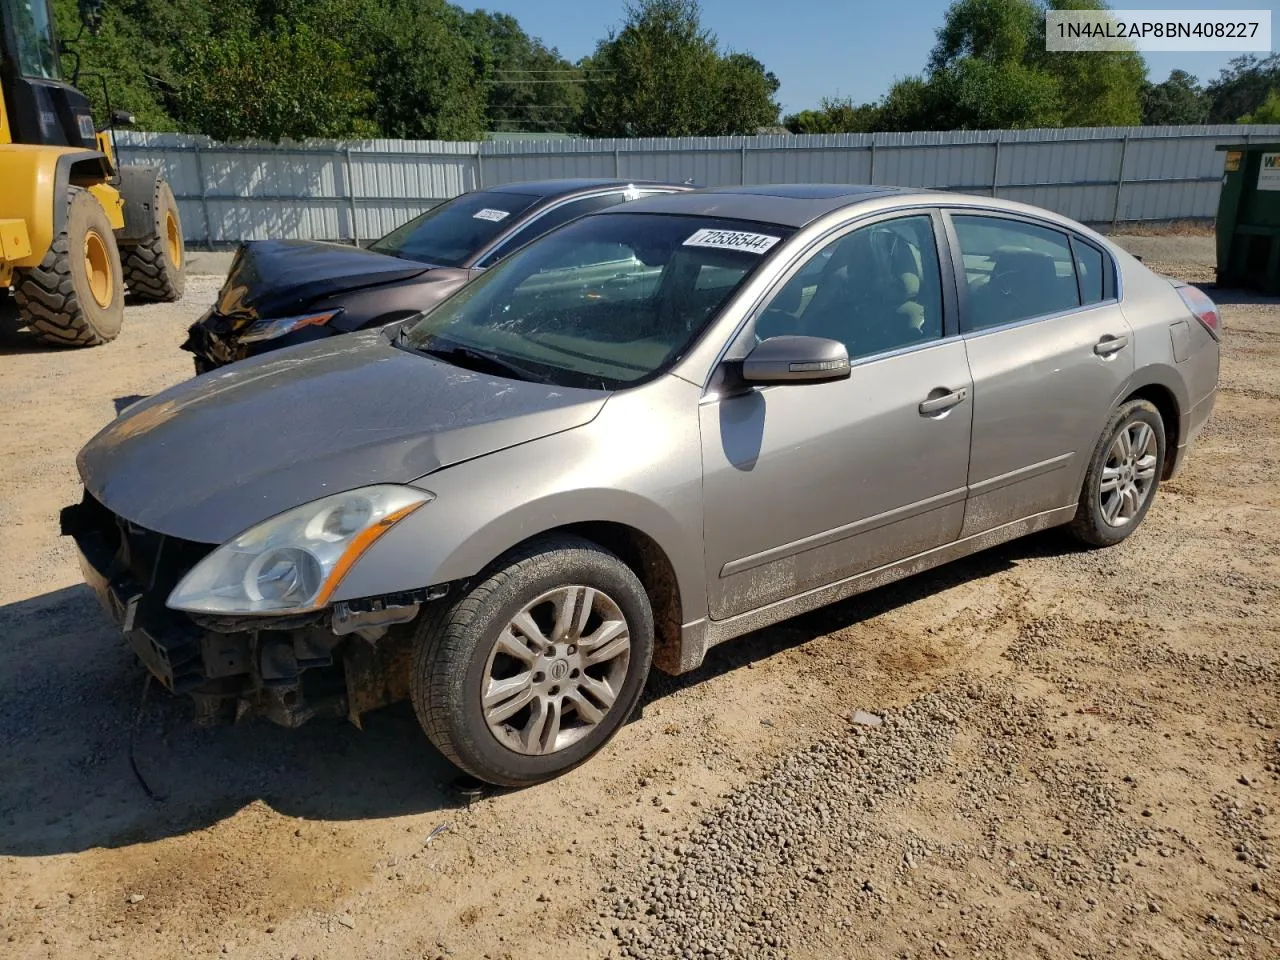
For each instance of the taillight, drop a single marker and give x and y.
(1205, 310)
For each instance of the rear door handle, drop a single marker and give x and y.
(944, 402)
(1109, 345)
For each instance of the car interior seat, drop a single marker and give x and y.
(870, 296)
(1023, 283)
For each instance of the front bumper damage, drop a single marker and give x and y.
(212, 340)
(342, 661)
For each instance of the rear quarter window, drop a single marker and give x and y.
(1090, 267)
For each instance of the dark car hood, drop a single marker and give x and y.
(273, 278)
(210, 457)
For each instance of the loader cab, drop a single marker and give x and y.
(41, 107)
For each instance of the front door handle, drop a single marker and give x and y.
(944, 402)
(1109, 345)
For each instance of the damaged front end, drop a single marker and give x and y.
(344, 660)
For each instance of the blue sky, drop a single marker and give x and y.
(823, 48)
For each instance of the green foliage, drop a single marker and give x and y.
(1097, 89)
(1267, 112)
(124, 56)
(910, 104)
(286, 81)
(530, 86)
(1242, 87)
(331, 68)
(989, 70)
(424, 73)
(977, 94)
(744, 95)
(834, 116)
(663, 76)
(1178, 100)
(993, 31)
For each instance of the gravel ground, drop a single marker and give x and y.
(1036, 752)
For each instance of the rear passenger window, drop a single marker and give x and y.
(1013, 271)
(1089, 269)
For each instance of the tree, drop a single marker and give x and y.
(132, 64)
(662, 75)
(1242, 87)
(425, 74)
(1095, 89)
(1178, 100)
(835, 116)
(995, 31)
(910, 104)
(977, 94)
(744, 96)
(530, 86)
(989, 69)
(1268, 112)
(285, 82)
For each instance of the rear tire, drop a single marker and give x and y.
(457, 659)
(1123, 476)
(155, 269)
(75, 298)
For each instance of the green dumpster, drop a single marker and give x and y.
(1248, 227)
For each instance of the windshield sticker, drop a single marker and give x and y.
(488, 213)
(732, 240)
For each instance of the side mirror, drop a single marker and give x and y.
(796, 360)
(122, 118)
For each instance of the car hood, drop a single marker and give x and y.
(210, 457)
(273, 278)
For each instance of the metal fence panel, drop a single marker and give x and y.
(334, 190)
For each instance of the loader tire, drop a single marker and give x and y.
(155, 268)
(75, 298)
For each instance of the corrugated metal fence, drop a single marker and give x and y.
(357, 190)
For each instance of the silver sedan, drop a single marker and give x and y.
(655, 429)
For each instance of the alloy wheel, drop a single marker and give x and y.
(555, 670)
(1129, 474)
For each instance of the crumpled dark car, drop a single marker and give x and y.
(283, 292)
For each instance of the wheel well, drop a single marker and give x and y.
(89, 171)
(1164, 401)
(649, 562)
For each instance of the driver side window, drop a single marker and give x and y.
(874, 289)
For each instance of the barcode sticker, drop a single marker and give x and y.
(488, 213)
(732, 240)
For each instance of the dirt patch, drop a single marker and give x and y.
(1079, 753)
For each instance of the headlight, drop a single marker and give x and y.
(270, 329)
(293, 562)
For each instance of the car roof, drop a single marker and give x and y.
(547, 189)
(786, 204)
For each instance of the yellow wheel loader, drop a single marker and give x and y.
(76, 228)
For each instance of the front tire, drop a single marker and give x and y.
(75, 298)
(535, 668)
(1123, 476)
(155, 269)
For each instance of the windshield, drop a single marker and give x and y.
(34, 31)
(450, 234)
(603, 302)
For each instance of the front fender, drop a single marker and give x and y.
(631, 466)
